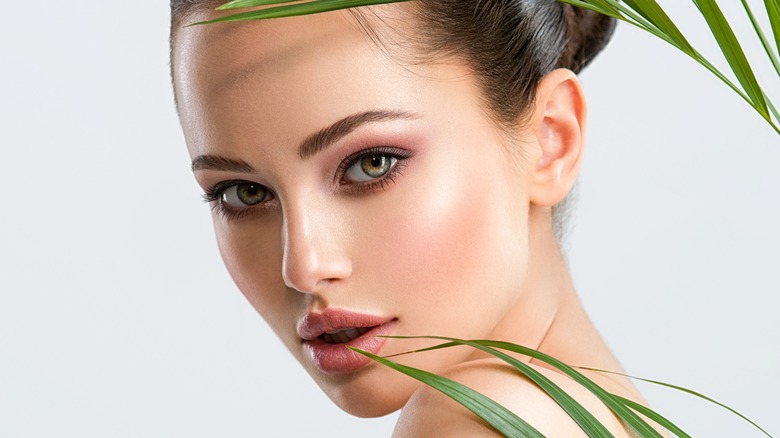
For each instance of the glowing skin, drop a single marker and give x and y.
(446, 241)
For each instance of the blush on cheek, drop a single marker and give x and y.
(449, 243)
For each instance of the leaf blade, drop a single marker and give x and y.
(735, 57)
(685, 390)
(653, 12)
(624, 413)
(502, 419)
(773, 10)
(239, 4)
(586, 421)
(308, 8)
(764, 41)
(651, 414)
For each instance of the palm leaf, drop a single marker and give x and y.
(502, 419)
(586, 421)
(773, 10)
(312, 7)
(238, 4)
(685, 390)
(651, 414)
(619, 405)
(628, 416)
(651, 18)
(656, 15)
(761, 36)
(731, 49)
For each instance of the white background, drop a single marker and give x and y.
(117, 318)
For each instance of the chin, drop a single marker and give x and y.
(370, 393)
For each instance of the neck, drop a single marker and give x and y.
(548, 315)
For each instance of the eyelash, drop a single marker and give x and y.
(213, 194)
(380, 183)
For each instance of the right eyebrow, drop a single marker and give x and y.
(215, 162)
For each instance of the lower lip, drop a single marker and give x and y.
(334, 359)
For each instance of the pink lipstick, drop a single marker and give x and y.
(326, 336)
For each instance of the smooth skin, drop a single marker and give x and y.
(455, 239)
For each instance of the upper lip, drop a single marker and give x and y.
(331, 320)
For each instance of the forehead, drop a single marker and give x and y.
(275, 81)
(218, 55)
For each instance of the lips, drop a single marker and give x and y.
(326, 337)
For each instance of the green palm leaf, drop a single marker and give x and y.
(656, 15)
(238, 4)
(651, 18)
(731, 49)
(586, 421)
(312, 7)
(653, 415)
(773, 10)
(624, 408)
(502, 419)
(685, 390)
(764, 41)
(628, 416)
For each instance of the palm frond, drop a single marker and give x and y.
(656, 21)
(685, 390)
(502, 419)
(623, 408)
(289, 10)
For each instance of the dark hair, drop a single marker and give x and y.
(509, 44)
(512, 44)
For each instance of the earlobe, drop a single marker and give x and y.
(559, 124)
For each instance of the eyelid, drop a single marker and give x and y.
(214, 192)
(213, 195)
(359, 188)
(346, 163)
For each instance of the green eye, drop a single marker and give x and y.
(370, 167)
(244, 195)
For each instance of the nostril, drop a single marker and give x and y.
(316, 273)
(312, 257)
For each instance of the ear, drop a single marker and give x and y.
(559, 126)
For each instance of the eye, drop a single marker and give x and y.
(236, 198)
(370, 167)
(242, 195)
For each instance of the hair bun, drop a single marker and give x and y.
(588, 32)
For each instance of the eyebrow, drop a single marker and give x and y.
(333, 133)
(215, 162)
(313, 144)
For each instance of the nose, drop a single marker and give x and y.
(313, 259)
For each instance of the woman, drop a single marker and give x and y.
(394, 171)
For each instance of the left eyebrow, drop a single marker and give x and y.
(215, 162)
(325, 137)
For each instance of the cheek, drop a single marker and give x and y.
(454, 246)
(252, 254)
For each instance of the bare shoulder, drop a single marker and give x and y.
(429, 413)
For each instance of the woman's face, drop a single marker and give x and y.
(353, 194)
